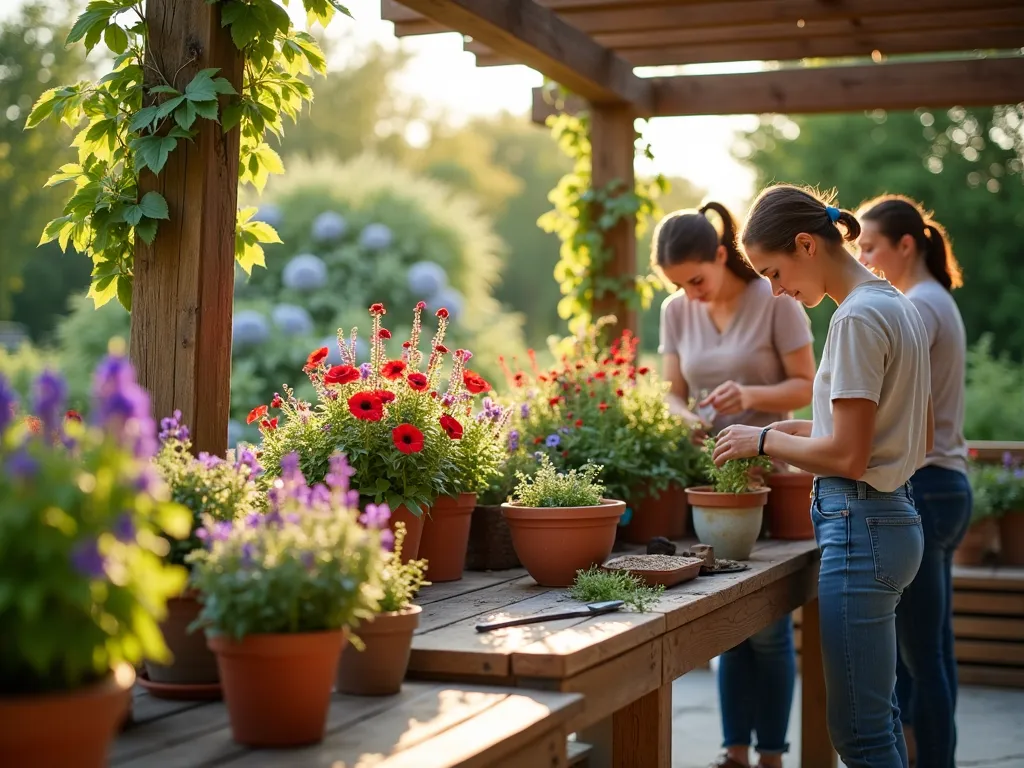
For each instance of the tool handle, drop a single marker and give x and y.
(487, 627)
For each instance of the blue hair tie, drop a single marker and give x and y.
(833, 213)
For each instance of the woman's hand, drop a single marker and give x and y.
(727, 399)
(737, 441)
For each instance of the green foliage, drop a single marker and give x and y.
(137, 115)
(551, 488)
(597, 586)
(21, 366)
(998, 489)
(994, 399)
(478, 456)
(735, 475)
(400, 581)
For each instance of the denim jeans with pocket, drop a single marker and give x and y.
(871, 546)
(755, 688)
(926, 680)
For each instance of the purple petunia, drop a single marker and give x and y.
(124, 528)
(171, 428)
(553, 441)
(246, 458)
(121, 407)
(49, 398)
(8, 403)
(87, 560)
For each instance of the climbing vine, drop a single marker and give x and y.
(132, 119)
(582, 216)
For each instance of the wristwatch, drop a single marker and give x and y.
(760, 441)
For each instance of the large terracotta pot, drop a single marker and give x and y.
(656, 515)
(75, 728)
(729, 522)
(446, 536)
(413, 531)
(980, 541)
(788, 507)
(378, 670)
(554, 542)
(193, 663)
(1011, 538)
(277, 687)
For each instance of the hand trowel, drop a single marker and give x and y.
(590, 609)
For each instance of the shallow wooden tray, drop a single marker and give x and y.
(689, 568)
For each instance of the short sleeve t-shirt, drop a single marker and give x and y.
(947, 350)
(749, 351)
(877, 349)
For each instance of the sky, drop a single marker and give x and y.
(443, 75)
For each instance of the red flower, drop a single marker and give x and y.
(417, 381)
(619, 392)
(406, 344)
(441, 348)
(384, 333)
(73, 416)
(442, 312)
(407, 438)
(600, 374)
(421, 305)
(579, 422)
(451, 427)
(475, 383)
(341, 374)
(35, 426)
(377, 309)
(620, 360)
(538, 440)
(277, 401)
(554, 401)
(270, 424)
(392, 369)
(366, 406)
(385, 396)
(643, 371)
(603, 406)
(315, 358)
(256, 414)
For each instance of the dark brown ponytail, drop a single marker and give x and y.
(689, 236)
(781, 212)
(897, 216)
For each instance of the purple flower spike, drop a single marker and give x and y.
(87, 560)
(221, 531)
(124, 528)
(254, 520)
(513, 440)
(21, 465)
(352, 498)
(387, 540)
(202, 534)
(171, 428)
(248, 552)
(365, 370)
(1007, 459)
(340, 472)
(8, 403)
(375, 516)
(49, 397)
(247, 458)
(209, 461)
(524, 410)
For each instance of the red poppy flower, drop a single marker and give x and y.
(579, 422)
(620, 360)
(451, 427)
(270, 424)
(256, 414)
(600, 375)
(377, 309)
(385, 395)
(73, 416)
(554, 401)
(538, 440)
(603, 406)
(442, 312)
(384, 333)
(393, 369)
(341, 374)
(417, 381)
(277, 401)
(643, 371)
(407, 438)
(619, 392)
(316, 357)
(475, 383)
(366, 406)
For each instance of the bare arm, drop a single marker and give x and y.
(678, 393)
(792, 393)
(797, 427)
(844, 453)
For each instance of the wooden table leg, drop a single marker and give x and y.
(642, 732)
(815, 746)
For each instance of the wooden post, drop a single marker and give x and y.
(181, 309)
(815, 746)
(612, 138)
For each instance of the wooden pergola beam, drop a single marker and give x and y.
(539, 38)
(890, 86)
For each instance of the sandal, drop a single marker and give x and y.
(724, 761)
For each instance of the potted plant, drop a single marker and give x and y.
(788, 506)
(379, 665)
(561, 523)
(210, 488)
(997, 515)
(82, 578)
(727, 514)
(279, 593)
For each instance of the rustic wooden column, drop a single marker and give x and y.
(181, 309)
(612, 139)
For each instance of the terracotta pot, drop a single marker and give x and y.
(788, 507)
(980, 541)
(413, 531)
(1011, 538)
(278, 686)
(64, 729)
(661, 515)
(446, 536)
(378, 670)
(729, 522)
(193, 662)
(554, 542)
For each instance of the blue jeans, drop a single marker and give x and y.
(926, 684)
(871, 545)
(755, 685)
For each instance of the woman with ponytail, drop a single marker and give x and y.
(871, 430)
(749, 360)
(901, 241)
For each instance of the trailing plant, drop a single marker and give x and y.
(549, 488)
(400, 581)
(735, 475)
(597, 586)
(582, 217)
(139, 113)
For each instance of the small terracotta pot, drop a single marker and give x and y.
(980, 541)
(554, 542)
(729, 522)
(378, 670)
(278, 686)
(64, 729)
(193, 663)
(663, 515)
(1011, 538)
(446, 536)
(788, 506)
(413, 531)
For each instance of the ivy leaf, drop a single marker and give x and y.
(154, 206)
(147, 230)
(201, 87)
(124, 291)
(312, 51)
(185, 116)
(167, 107)
(43, 107)
(67, 172)
(243, 20)
(340, 8)
(102, 291)
(52, 229)
(152, 151)
(207, 109)
(232, 116)
(164, 89)
(115, 38)
(92, 23)
(144, 118)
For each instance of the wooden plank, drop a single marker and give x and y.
(184, 281)
(990, 652)
(993, 450)
(1002, 677)
(988, 603)
(997, 578)
(471, 581)
(815, 744)
(642, 732)
(484, 604)
(539, 38)
(985, 628)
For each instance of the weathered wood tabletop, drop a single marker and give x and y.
(427, 725)
(624, 663)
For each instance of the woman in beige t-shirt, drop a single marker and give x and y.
(747, 359)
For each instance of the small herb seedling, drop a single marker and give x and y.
(734, 476)
(597, 586)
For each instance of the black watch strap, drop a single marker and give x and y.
(760, 441)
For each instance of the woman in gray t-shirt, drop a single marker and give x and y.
(902, 242)
(748, 359)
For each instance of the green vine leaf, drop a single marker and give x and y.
(250, 236)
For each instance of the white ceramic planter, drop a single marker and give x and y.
(728, 522)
